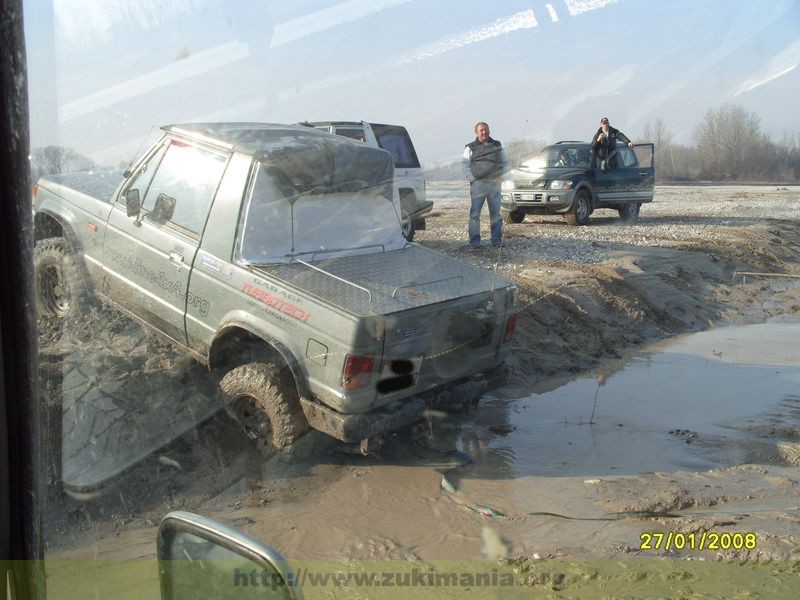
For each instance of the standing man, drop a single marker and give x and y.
(605, 139)
(484, 162)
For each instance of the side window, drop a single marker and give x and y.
(354, 133)
(141, 181)
(397, 141)
(627, 158)
(191, 176)
(267, 231)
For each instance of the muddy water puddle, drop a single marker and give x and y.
(703, 401)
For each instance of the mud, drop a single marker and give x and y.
(587, 448)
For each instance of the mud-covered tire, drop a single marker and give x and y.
(263, 399)
(580, 210)
(629, 213)
(59, 286)
(513, 216)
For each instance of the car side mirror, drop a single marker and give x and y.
(199, 557)
(132, 204)
(164, 208)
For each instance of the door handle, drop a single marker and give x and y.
(176, 257)
(644, 173)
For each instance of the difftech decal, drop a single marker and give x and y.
(277, 303)
(279, 291)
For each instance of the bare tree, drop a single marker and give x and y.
(727, 139)
(51, 160)
(659, 134)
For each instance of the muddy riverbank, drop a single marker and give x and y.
(585, 484)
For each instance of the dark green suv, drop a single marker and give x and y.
(569, 179)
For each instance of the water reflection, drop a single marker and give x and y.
(689, 405)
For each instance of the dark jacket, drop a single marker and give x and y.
(605, 147)
(486, 160)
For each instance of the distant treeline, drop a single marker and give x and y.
(728, 146)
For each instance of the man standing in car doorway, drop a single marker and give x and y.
(484, 162)
(605, 139)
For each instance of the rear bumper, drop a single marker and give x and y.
(354, 428)
(422, 209)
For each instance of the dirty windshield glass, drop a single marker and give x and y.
(418, 366)
(290, 215)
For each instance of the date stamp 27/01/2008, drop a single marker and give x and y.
(705, 540)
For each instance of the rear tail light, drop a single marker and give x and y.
(35, 190)
(357, 371)
(511, 324)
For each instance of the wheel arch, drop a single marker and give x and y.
(408, 200)
(47, 225)
(586, 187)
(238, 343)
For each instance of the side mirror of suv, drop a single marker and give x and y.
(199, 557)
(164, 208)
(132, 205)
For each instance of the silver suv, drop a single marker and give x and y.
(408, 176)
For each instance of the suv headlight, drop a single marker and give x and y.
(508, 184)
(561, 184)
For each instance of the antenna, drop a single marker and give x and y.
(127, 172)
(522, 143)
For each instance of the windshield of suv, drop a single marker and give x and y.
(560, 157)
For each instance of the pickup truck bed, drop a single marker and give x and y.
(386, 282)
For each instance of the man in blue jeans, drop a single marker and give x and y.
(484, 162)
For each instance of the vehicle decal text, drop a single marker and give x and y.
(216, 265)
(160, 278)
(277, 303)
(278, 291)
(626, 187)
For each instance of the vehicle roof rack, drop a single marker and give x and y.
(571, 142)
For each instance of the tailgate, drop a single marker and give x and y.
(435, 344)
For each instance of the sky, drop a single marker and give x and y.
(106, 74)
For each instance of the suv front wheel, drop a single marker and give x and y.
(579, 211)
(513, 216)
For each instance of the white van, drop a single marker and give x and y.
(408, 177)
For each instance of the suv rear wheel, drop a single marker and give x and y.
(579, 211)
(629, 213)
(408, 229)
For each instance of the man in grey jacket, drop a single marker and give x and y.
(484, 162)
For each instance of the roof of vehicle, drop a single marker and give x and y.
(319, 159)
(347, 123)
(256, 138)
(573, 143)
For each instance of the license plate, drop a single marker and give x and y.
(528, 197)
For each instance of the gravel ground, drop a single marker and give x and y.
(677, 214)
